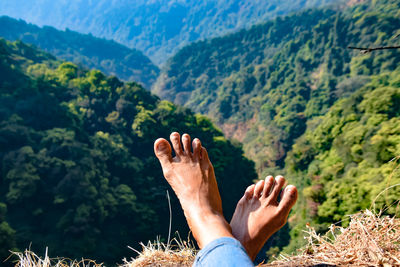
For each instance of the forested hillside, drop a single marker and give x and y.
(348, 159)
(77, 170)
(159, 28)
(108, 56)
(291, 86)
(262, 85)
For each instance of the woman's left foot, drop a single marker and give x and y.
(258, 213)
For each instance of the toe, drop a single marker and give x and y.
(162, 149)
(258, 189)
(176, 143)
(196, 149)
(204, 155)
(279, 183)
(204, 160)
(186, 144)
(268, 184)
(289, 198)
(248, 194)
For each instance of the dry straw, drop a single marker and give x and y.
(30, 259)
(369, 240)
(175, 253)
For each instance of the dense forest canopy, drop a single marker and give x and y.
(77, 170)
(159, 28)
(262, 85)
(76, 145)
(84, 49)
(283, 87)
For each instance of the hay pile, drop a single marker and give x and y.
(176, 253)
(369, 240)
(30, 259)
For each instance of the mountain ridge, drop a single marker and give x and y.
(85, 49)
(237, 78)
(158, 28)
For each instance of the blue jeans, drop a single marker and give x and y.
(223, 252)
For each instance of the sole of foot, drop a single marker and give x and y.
(259, 214)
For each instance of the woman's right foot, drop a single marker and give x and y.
(191, 176)
(258, 213)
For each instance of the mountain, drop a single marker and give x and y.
(262, 85)
(157, 27)
(77, 169)
(302, 103)
(108, 56)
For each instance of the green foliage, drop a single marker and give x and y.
(108, 56)
(305, 105)
(273, 78)
(7, 234)
(352, 155)
(77, 169)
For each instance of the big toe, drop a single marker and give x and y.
(289, 198)
(162, 149)
(248, 194)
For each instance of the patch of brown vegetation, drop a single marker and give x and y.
(354, 2)
(238, 130)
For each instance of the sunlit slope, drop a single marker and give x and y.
(305, 105)
(263, 85)
(348, 159)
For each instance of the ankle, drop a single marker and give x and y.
(208, 226)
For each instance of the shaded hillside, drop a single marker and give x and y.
(107, 56)
(159, 28)
(263, 85)
(77, 170)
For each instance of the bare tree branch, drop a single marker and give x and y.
(370, 49)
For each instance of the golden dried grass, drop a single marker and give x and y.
(30, 259)
(369, 240)
(175, 253)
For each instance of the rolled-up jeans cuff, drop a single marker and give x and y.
(224, 251)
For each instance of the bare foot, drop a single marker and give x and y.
(259, 214)
(191, 176)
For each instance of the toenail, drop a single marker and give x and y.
(161, 146)
(290, 189)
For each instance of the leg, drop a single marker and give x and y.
(192, 178)
(259, 214)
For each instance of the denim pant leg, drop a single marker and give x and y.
(223, 252)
